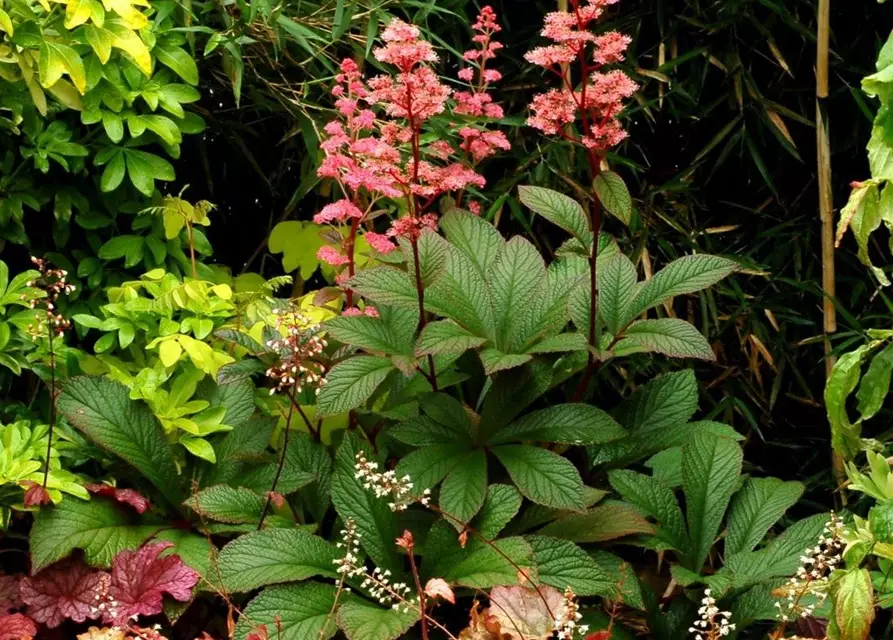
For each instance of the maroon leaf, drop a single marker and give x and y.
(35, 494)
(258, 633)
(127, 496)
(17, 627)
(140, 579)
(67, 589)
(9, 593)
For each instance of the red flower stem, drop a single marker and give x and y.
(350, 247)
(291, 408)
(420, 591)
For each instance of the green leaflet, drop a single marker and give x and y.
(604, 522)
(614, 196)
(513, 279)
(432, 251)
(390, 333)
(445, 336)
(562, 564)
(461, 295)
(685, 275)
(429, 465)
(475, 237)
(616, 290)
(547, 312)
(488, 566)
(665, 401)
(351, 382)
(557, 208)
(300, 611)
(542, 476)
(501, 504)
(386, 286)
(845, 436)
(104, 412)
(853, 598)
(374, 520)
(564, 423)
(464, 489)
(710, 469)
(875, 383)
(99, 527)
(362, 621)
(656, 500)
(755, 508)
(234, 505)
(275, 556)
(494, 360)
(670, 336)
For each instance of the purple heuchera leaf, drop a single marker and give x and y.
(140, 578)
(126, 496)
(67, 589)
(17, 627)
(9, 593)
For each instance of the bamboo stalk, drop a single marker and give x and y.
(826, 203)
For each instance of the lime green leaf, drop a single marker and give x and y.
(361, 621)
(446, 337)
(542, 476)
(463, 492)
(616, 289)
(685, 275)
(845, 436)
(291, 612)
(670, 336)
(6, 23)
(654, 499)
(755, 508)
(144, 168)
(710, 469)
(179, 61)
(113, 173)
(562, 564)
(274, 556)
(99, 527)
(853, 598)
(298, 242)
(199, 447)
(614, 196)
(564, 423)
(350, 383)
(56, 59)
(557, 208)
(77, 12)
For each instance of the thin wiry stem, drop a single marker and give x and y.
(281, 465)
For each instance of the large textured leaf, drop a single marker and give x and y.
(564, 423)
(432, 250)
(547, 312)
(488, 566)
(513, 280)
(274, 556)
(845, 436)
(464, 489)
(654, 499)
(386, 286)
(477, 238)
(557, 208)
(616, 289)
(685, 275)
(235, 505)
(384, 334)
(875, 383)
(350, 383)
(374, 520)
(362, 621)
(501, 505)
(542, 476)
(461, 294)
(429, 465)
(755, 508)
(494, 360)
(670, 336)
(445, 336)
(614, 196)
(104, 412)
(605, 522)
(562, 564)
(291, 612)
(663, 402)
(710, 469)
(99, 527)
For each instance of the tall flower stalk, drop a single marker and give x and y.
(376, 151)
(583, 110)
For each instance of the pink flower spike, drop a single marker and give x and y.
(140, 579)
(611, 47)
(372, 312)
(352, 312)
(380, 242)
(330, 255)
(338, 211)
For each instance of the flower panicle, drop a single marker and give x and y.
(713, 623)
(567, 619)
(53, 283)
(388, 485)
(300, 352)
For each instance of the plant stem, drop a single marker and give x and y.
(291, 409)
(351, 251)
(191, 249)
(420, 591)
(46, 462)
(420, 291)
(596, 224)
